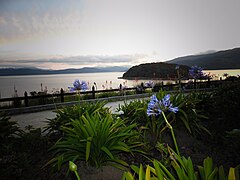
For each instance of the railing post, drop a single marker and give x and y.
(142, 88)
(93, 92)
(62, 95)
(162, 86)
(26, 99)
(208, 83)
(220, 82)
(121, 89)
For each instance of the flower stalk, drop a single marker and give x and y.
(73, 168)
(172, 132)
(157, 107)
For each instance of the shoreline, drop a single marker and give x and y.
(65, 73)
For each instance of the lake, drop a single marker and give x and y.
(219, 73)
(54, 83)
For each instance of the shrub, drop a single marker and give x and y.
(7, 128)
(65, 115)
(149, 127)
(190, 112)
(134, 111)
(96, 139)
(189, 115)
(223, 107)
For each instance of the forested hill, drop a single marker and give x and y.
(36, 71)
(155, 70)
(228, 59)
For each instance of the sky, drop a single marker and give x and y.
(54, 34)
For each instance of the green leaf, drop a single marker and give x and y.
(127, 176)
(206, 130)
(221, 173)
(121, 148)
(107, 152)
(182, 161)
(201, 171)
(207, 166)
(213, 174)
(117, 165)
(50, 162)
(231, 174)
(141, 173)
(190, 169)
(184, 119)
(135, 168)
(88, 147)
(185, 122)
(158, 170)
(88, 125)
(147, 175)
(119, 161)
(166, 171)
(153, 170)
(59, 162)
(180, 172)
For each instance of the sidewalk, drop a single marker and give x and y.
(37, 119)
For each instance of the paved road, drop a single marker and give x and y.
(36, 119)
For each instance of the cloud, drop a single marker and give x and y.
(76, 61)
(25, 19)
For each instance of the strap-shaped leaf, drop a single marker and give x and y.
(184, 119)
(201, 171)
(170, 176)
(208, 166)
(127, 176)
(180, 172)
(160, 174)
(88, 125)
(119, 161)
(88, 147)
(221, 173)
(147, 175)
(141, 173)
(231, 174)
(190, 169)
(135, 168)
(106, 150)
(59, 162)
(213, 174)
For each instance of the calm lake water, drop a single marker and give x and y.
(54, 83)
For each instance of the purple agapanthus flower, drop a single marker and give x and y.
(79, 85)
(149, 84)
(155, 106)
(197, 73)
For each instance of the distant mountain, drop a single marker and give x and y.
(156, 70)
(36, 71)
(228, 59)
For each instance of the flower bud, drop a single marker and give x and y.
(72, 166)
